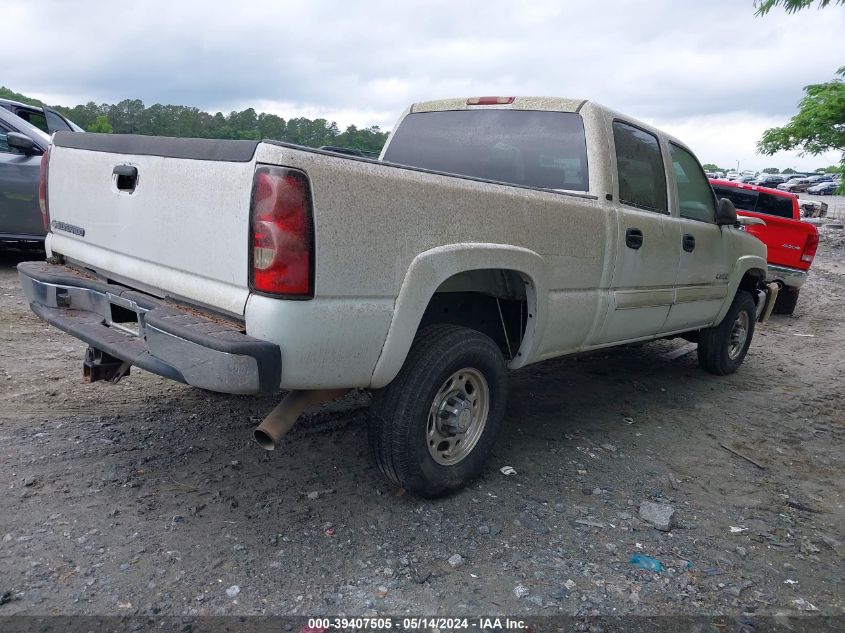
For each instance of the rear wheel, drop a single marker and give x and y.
(722, 348)
(433, 427)
(786, 301)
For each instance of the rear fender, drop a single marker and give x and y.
(431, 268)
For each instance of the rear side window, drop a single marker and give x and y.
(639, 164)
(55, 123)
(521, 147)
(695, 195)
(780, 206)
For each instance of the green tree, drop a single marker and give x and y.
(788, 170)
(125, 116)
(8, 93)
(83, 115)
(819, 125)
(771, 170)
(101, 124)
(271, 126)
(131, 116)
(711, 167)
(790, 6)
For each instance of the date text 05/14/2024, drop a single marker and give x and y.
(319, 625)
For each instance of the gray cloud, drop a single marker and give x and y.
(665, 60)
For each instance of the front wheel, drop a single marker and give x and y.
(433, 427)
(722, 348)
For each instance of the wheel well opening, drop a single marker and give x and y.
(492, 301)
(751, 281)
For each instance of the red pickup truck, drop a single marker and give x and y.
(791, 243)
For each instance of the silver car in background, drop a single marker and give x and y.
(21, 147)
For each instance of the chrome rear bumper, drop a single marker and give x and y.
(166, 339)
(792, 277)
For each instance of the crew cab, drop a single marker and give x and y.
(491, 233)
(791, 243)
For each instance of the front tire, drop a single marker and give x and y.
(722, 348)
(433, 427)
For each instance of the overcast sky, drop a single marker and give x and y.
(709, 72)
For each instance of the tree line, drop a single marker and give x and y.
(131, 116)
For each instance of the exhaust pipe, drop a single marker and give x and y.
(281, 419)
(771, 297)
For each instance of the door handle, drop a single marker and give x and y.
(689, 243)
(633, 238)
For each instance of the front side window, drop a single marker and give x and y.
(4, 143)
(756, 201)
(743, 199)
(639, 165)
(34, 118)
(695, 195)
(523, 147)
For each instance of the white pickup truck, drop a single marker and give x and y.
(491, 233)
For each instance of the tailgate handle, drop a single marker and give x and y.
(689, 243)
(127, 177)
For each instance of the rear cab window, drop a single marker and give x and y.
(530, 148)
(639, 168)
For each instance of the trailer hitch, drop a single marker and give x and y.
(99, 365)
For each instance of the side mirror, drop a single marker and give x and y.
(725, 213)
(23, 143)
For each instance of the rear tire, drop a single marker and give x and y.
(722, 348)
(433, 427)
(786, 301)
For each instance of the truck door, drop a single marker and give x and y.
(649, 242)
(703, 269)
(19, 175)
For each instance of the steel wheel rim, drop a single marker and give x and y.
(457, 416)
(739, 334)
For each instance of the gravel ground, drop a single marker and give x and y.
(149, 497)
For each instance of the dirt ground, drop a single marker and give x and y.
(149, 497)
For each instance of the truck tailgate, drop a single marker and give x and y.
(179, 227)
(784, 237)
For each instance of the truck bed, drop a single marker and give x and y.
(184, 234)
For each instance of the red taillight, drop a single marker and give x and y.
(489, 100)
(282, 233)
(810, 246)
(42, 190)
